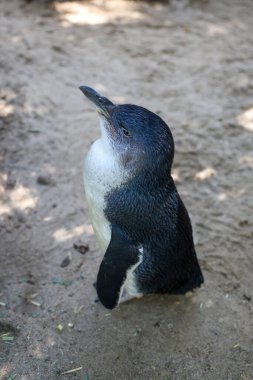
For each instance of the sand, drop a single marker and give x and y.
(190, 62)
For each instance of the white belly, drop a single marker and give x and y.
(102, 173)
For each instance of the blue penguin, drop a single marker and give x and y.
(137, 214)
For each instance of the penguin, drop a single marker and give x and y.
(138, 217)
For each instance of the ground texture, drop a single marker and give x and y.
(190, 62)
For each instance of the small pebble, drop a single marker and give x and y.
(65, 262)
(247, 297)
(44, 180)
(81, 248)
(59, 328)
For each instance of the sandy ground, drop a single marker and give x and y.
(192, 64)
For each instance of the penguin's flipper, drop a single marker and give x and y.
(120, 256)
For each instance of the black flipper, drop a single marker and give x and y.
(120, 256)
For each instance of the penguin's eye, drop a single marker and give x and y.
(125, 131)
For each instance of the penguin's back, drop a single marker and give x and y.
(156, 219)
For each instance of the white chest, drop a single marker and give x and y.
(102, 172)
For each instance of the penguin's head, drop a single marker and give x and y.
(140, 138)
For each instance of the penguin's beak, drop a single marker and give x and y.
(103, 105)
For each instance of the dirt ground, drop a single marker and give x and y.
(191, 62)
